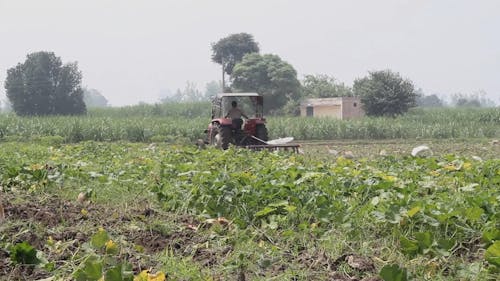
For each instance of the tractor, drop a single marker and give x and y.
(251, 134)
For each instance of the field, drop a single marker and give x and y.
(107, 204)
(185, 123)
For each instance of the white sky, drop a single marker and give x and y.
(130, 50)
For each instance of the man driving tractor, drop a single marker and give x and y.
(235, 113)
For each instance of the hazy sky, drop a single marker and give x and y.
(131, 50)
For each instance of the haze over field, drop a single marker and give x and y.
(131, 50)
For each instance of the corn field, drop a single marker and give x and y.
(186, 122)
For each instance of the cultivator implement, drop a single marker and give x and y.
(275, 147)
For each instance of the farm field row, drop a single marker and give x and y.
(226, 215)
(188, 126)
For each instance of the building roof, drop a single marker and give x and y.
(322, 101)
(237, 95)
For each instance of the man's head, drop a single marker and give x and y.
(234, 103)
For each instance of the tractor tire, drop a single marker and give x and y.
(261, 132)
(221, 137)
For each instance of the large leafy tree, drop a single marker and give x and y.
(42, 85)
(385, 93)
(230, 50)
(268, 75)
(324, 86)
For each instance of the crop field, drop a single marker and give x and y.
(186, 123)
(159, 211)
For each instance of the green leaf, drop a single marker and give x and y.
(114, 274)
(24, 253)
(408, 246)
(413, 211)
(92, 270)
(264, 212)
(393, 273)
(491, 236)
(474, 214)
(492, 254)
(282, 203)
(446, 244)
(424, 240)
(99, 239)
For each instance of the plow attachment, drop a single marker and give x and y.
(274, 145)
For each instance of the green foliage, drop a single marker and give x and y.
(42, 85)
(91, 270)
(230, 50)
(185, 122)
(24, 253)
(421, 213)
(99, 239)
(492, 254)
(385, 93)
(105, 261)
(324, 86)
(393, 273)
(181, 110)
(268, 75)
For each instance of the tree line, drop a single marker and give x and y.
(43, 85)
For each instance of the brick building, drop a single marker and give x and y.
(340, 108)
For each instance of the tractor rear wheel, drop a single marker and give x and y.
(261, 132)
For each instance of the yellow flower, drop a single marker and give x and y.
(450, 167)
(435, 173)
(111, 247)
(389, 178)
(50, 241)
(36, 167)
(145, 276)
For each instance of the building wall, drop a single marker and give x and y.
(351, 108)
(341, 108)
(328, 111)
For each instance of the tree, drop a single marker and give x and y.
(230, 50)
(385, 93)
(189, 94)
(212, 89)
(475, 99)
(268, 75)
(324, 86)
(42, 85)
(93, 98)
(429, 101)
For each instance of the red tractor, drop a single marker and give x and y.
(222, 131)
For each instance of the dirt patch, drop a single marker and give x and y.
(50, 212)
(35, 220)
